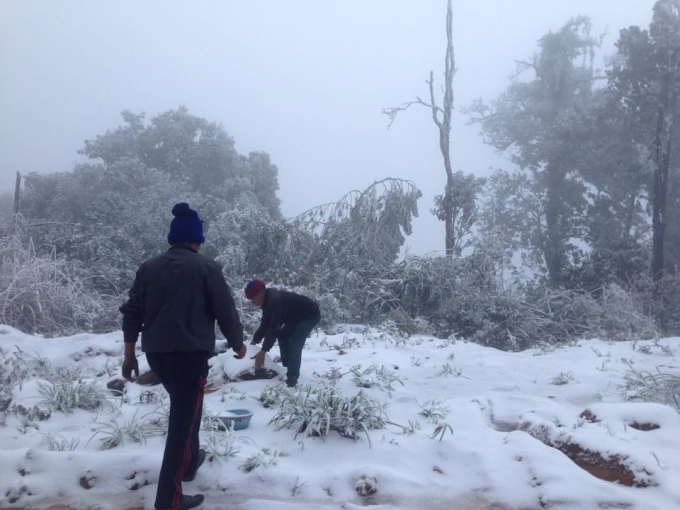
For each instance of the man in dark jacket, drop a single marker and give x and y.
(286, 316)
(174, 302)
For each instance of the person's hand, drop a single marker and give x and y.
(241, 353)
(130, 365)
(259, 359)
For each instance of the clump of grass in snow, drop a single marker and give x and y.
(263, 458)
(332, 375)
(110, 367)
(440, 430)
(434, 410)
(136, 429)
(381, 377)
(223, 444)
(562, 379)
(66, 396)
(316, 411)
(448, 370)
(659, 387)
(271, 396)
(411, 428)
(58, 443)
(154, 396)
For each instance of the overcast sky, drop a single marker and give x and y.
(303, 80)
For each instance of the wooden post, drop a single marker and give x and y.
(17, 189)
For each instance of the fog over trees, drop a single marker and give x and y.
(579, 235)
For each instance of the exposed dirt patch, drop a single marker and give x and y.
(612, 468)
(117, 386)
(643, 426)
(589, 416)
(259, 373)
(87, 482)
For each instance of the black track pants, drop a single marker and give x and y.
(183, 375)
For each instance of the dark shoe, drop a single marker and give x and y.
(189, 477)
(189, 501)
(291, 382)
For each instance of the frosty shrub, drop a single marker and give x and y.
(350, 244)
(18, 366)
(41, 295)
(332, 309)
(554, 316)
(458, 296)
(247, 239)
(664, 305)
(391, 331)
(315, 411)
(5, 398)
(611, 312)
(622, 316)
(558, 316)
(468, 298)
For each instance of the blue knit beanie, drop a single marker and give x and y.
(186, 226)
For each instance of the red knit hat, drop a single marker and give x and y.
(253, 287)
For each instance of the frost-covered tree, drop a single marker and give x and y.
(458, 206)
(363, 227)
(109, 216)
(248, 242)
(106, 219)
(646, 81)
(542, 122)
(194, 153)
(6, 205)
(350, 242)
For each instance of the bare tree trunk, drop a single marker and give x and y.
(630, 214)
(444, 126)
(15, 218)
(554, 245)
(445, 130)
(662, 163)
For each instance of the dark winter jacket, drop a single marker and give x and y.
(282, 307)
(174, 302)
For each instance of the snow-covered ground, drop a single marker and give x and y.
(468, 427)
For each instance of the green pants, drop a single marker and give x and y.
(291, 341)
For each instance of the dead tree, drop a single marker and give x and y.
(441, 116)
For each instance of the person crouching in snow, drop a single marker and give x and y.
(286, 316)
